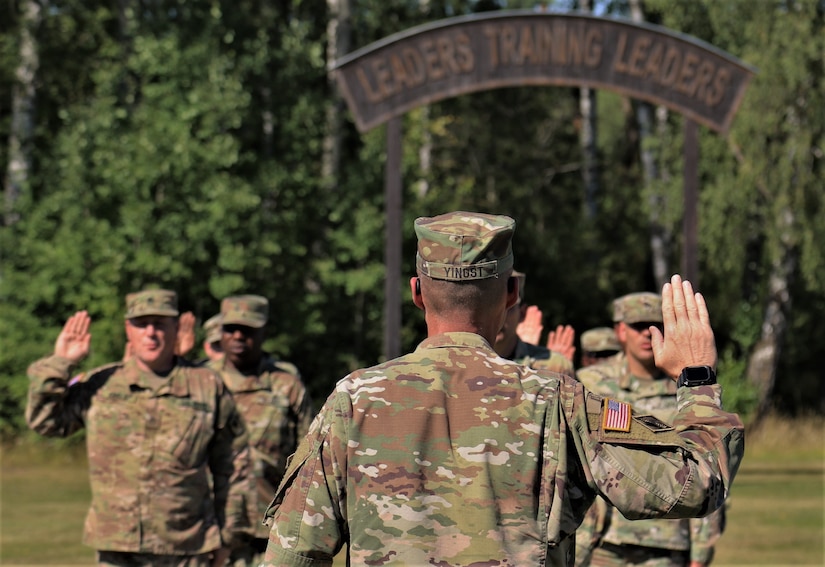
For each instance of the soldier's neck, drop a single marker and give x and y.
(642, 370)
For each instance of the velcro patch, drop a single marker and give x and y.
(616, 415)
(654, 423)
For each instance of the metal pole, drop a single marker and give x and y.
(690, 254)
(392, 246)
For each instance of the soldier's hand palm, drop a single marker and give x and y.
(561, 340)
(74, 340)
(688, 338)
(529, 330)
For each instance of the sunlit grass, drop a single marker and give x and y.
(776, 514)
(44, 495)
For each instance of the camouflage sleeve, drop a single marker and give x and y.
(302, 406)
(300, 401)
(557, 362)
(590, 533)
(306, 517)
(50, 409)
(704, 535)
(229, 462)
(655, 470)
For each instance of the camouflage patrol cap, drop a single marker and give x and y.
(462, 246)
(212, 326)
(248, 310)
(600, 339)
(152, 302)
(638, 307)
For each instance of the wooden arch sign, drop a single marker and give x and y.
(466, 54)
(485, 51)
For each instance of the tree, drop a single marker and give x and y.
(21, 134)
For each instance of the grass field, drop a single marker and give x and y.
(776, 515)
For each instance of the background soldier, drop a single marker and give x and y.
(453, 455)
(509, 344)
(213, 327)
(599, 344)
(607, 538)
(168, 454)
(272, 400)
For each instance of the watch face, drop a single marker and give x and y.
(697, 376)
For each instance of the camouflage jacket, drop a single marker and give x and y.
(536, 356)
(656, 397)
(277, 411)
(452, 455)
(168, 456)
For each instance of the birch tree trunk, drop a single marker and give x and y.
(338, 45)
(764, 359)
(22, 111)
(659, 234)
(425, 151)
(587, 137)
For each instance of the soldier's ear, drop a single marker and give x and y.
(415, 288)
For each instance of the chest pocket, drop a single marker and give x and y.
(115, 423)
(267, 418)
(185, 429)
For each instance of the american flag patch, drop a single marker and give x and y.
(616, 415)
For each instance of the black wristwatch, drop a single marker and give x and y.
(696, 376)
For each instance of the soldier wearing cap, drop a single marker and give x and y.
(168, 455)
(606, 538)
(599, 344)
(509, 345)
(212, 328)
(272, 400)
(452, 455)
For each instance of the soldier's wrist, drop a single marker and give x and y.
(692, 376)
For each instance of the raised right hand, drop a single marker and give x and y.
(688, 338)
(74, 340)
(529, 330)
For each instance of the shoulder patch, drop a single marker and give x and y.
(594, 403)
(616, 415)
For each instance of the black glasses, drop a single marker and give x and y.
(642, 326)
(243, 329)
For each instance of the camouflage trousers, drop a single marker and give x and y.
(250, 555)
(612, 555)
(129, 559)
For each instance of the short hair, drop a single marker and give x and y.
(445, 297)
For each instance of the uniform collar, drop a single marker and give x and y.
(659, 382)
(238, 382)
(170, 384)
(456, 339)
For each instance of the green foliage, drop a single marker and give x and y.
(181, 145)
(739, 395)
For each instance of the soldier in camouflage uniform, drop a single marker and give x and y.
(606, 538)
(272, 400)
(212, 342)
(509, 345)
(599, 344)
(168, 454)
(452, 455)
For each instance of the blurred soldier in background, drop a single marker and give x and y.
(213, 329)
(599, 344)
(453, 455)
(168, 454)
(607, 538)
(272, 400)
(509, 345)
